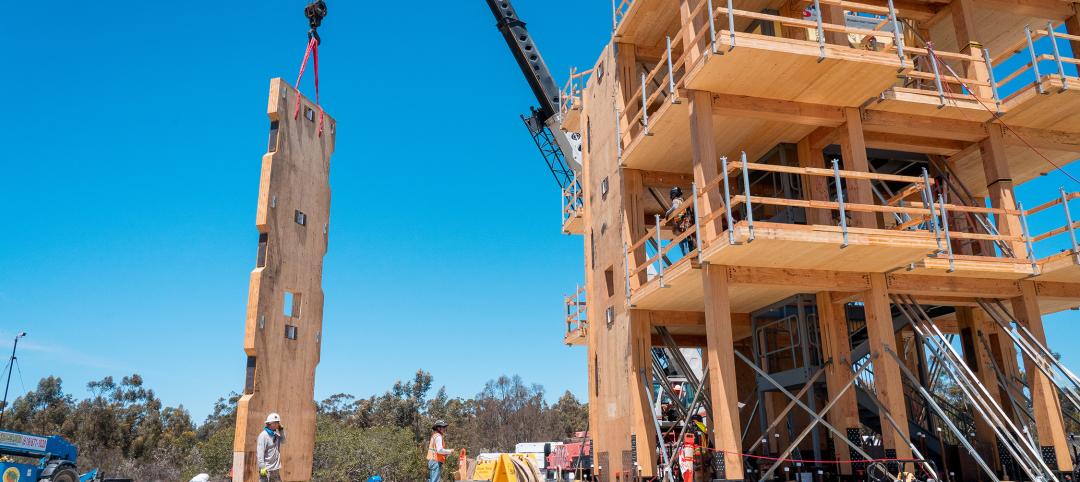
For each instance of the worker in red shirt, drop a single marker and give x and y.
(686, 459)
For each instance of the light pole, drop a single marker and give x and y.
(11, 364)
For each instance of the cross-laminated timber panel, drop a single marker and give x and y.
(283, 336)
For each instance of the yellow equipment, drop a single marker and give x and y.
(507, 468)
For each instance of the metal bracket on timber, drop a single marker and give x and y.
(283, 331)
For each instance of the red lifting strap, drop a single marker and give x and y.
(313, 53)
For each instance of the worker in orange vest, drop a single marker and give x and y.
(686, 459)
(437, 451)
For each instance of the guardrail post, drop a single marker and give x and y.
(820, 31)
(698, 242)
(993, 80)
(1027, 239)
(671, 75)
(746, 194)
(659, 253)
(928, 201)
(897, 38)
(840, 201)
(614, 17)
(1034, 60)
(1072, 230)
(727, 201)
(712, 28)
(945, 227)
(730, 22)
(1057, 56)
(937, 74)
(563, 213)
(644, 106)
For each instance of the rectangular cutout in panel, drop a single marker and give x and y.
(300, 218)
(260, 260)
(290, 332)
(249, 378)
(273, 136)
(609, 278)
(291, 305)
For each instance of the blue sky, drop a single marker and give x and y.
(130, 174)
(131, 169)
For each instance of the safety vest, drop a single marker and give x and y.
(686, 457)
(432, 453)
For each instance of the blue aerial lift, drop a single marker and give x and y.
(55, 459)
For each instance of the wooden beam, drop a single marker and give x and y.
(823, 137)
(853, 150)
(929, 285)
(1044, 397)
(684, 341)
(1049, 9)
(777, 110)
(1042, 139)
(665, 179)
(812, 280)
(923, 126)
(640, 369)
(1055, 289)
(723, 389)
(888, 384)
(906, 143)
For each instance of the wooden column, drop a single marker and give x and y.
(967, 43)
(704, 155)
(887, 377)
(641, 369)
(815, 188)
(726, 434)
(1044, 396)
(853, 150)
(634, 215)
(1072, 27)
(834, 14)
(975, 357)
(694, 50)
(837, 347)
(999, 185)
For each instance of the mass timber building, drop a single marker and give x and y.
(850, 257)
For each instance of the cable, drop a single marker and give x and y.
(315, 12)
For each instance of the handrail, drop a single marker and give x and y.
(570, 96)
(576, 311)
(1069, 225)
(572, 200)
(1035, 56)
(618, 12)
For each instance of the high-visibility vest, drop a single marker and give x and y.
(686, 457)
(432, 453)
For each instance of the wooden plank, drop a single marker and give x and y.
(723, 390)
(1044, 397)
(923, 126)
(888, 384)
(1000, 187)
(293, 216)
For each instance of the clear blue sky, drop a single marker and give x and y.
(130, 171)
(133, 143)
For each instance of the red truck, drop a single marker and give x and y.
(572, 460)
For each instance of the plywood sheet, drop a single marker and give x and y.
(1060, 267)
(1056, 110)
(996, 268)
(293, 221)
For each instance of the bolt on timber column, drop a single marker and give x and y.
(726, 434)
(283, 328)
(888, 383)
(1044, 397)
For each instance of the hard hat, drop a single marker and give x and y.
(677, 387)
(440, 423)
(201, 478)
(689, 439)
(676, 192)
(273, 417)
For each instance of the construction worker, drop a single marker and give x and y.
(268, 449)
(437, 451)
(686, 458)
(682, 222)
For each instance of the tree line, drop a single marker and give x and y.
(122, 428)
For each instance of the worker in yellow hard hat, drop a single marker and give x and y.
(268, 449)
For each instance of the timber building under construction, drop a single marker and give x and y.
(848, 256)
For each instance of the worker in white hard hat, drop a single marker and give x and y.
(268, 451)
(437, 451)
